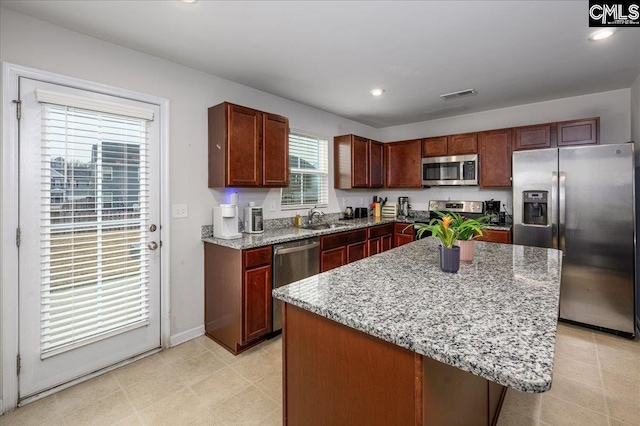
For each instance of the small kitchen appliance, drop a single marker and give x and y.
(253, 219)
(348, 213)
(361, 212)
(225, 222)
(492, 208)
(403, 206)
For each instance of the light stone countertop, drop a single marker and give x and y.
(495, 318)
(291, 233)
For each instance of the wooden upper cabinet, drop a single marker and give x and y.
(435, 147)
(275, 158)
(402, 164)
(495, 158)
(357, 162)
(463, 144)
(579, 132)
(532, 137)
(376, 164)
(238, 139)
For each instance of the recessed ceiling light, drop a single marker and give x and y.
(377, 92)
(188, 1)
(602, 34)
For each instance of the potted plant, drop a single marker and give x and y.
(450, 228)
(470, 229)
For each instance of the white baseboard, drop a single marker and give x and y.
(176, 339)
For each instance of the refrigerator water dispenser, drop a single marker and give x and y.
(535, 208)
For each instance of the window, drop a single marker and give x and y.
(308, 172)
(107, 173)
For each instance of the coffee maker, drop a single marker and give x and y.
(225, 222)
(492, 208)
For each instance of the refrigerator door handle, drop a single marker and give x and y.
(553, 210)
(563, 213)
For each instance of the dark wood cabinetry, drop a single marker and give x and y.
(239, 138)
(578, 132)
(342, 248)
(402, 164)
(380, 239)
(495, 154)
(532, 137)
(435, 147)
(357, 162)
(403, 233)
(495, 236)
(237, 295)
(463, 144)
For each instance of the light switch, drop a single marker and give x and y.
(178, 211)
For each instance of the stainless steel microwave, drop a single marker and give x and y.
(454, 170)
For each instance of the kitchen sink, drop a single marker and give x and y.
(321, 226)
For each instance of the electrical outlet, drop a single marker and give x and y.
(362, 201)
(273, 206)
(179, 211)
(344, 202)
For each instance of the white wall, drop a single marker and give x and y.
(33, 43)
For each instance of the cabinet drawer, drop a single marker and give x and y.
(342, 239)
(380, 230)
(257, 257)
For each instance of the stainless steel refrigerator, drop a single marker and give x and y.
(581, 200)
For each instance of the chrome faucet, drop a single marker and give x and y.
(312, 213)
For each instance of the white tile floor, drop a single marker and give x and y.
(596, 382)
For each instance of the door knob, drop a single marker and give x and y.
(152, 245)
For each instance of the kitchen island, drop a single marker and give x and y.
(391, 339)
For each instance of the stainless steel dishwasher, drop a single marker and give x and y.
(292, 262)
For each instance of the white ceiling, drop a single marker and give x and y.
(329, 55)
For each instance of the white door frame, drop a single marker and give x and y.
(9, 213)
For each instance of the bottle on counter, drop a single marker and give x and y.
(297, 220)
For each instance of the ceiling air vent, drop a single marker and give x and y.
(459, 94)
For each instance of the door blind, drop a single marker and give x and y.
(94, 218)
(308, 172)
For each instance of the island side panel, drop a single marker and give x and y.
(223, 295)
(455, 397)
(337, 375)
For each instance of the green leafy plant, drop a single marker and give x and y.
(451, 226)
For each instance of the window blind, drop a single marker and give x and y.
(94, 216)
(308, 172)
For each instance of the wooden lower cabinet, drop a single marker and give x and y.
(403, 235)
(342, 248)
(495, 236)
(336, 375)
(380, 239)
(237, 296)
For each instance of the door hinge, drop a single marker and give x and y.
(18, 108)
(18, 364)
(18, 235)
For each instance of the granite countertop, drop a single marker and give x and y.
(291, 233)
(495, 318)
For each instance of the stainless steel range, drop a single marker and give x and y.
(470, 209)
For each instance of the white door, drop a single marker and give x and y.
(89, 267)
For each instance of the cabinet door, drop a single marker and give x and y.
(256, 303)
(435, 147)
(495, 236)
(356, 251)
(463, 144)
(375, 246)
(275, 158)
(495, 158)
(376, 164)
(330, 259)
(359, 162)
(387, 242)
(578, 132)
(402, 164)
(532, 137)
(244, 147)
(402, 239)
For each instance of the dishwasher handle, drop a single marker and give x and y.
(281, 251)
